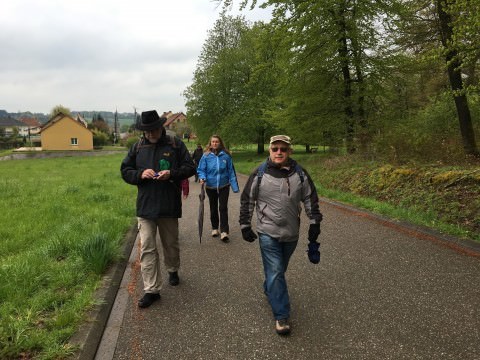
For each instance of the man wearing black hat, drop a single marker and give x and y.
(277, 200)
(157, 164)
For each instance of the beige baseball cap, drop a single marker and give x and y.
(283, 138)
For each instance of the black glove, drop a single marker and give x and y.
(313, 232)
(248, 234)
(314, 252)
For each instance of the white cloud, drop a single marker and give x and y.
(102, 54)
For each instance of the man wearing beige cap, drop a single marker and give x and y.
(275, 189)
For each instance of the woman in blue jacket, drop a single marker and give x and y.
(217, 172)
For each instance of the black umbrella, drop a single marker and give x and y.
(201, 211)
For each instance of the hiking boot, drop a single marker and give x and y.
(215, 233)
(148, 299)
(224, 237)
(282, 327)
(173, 278)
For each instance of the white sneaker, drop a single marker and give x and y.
(215, 233)
(224, 237)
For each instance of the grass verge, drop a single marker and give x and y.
(64, 225)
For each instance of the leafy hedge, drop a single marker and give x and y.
(452, 194)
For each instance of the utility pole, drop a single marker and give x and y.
(115, 127)
(134, 119)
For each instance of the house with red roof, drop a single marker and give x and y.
(177, 122)
(32, 127)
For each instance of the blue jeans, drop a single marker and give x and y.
(275, 257)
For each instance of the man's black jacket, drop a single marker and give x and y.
(157, 198)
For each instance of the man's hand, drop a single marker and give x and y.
(248, 234)
(313, 232)
(314, 252)
(149, 174)
(163, 175)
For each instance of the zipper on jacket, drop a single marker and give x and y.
(218, 172)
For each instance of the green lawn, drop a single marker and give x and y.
(62, 223)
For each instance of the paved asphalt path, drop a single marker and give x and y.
(381, 291)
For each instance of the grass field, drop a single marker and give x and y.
(62, 224)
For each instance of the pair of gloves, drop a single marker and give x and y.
(313, 246)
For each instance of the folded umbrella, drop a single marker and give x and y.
(201, 211)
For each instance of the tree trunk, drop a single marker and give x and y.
(456, 83)
(347, 81)
(261, 141)
(362, 119)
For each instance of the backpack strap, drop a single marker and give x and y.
(139, 144)
(299, 171)
(260, 171)
(171, 141)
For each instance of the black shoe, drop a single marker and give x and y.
(282, 327)
(173, 278)
(148, 299)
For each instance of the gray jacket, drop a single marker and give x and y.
(277, 201)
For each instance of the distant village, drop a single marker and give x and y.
(77, 130)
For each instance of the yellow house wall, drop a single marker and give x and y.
(58, 136)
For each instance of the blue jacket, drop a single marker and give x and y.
(218, 171)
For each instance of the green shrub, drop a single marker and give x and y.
(100, 138)
(432, 134)
(130, 141)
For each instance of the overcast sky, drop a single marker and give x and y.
(92, 55)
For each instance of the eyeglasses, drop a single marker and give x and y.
(282, 149)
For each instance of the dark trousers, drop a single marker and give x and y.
(196, 173)
(219, 204)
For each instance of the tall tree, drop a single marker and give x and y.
(251, 122)
(454, 64)
(436, 30)
(333, 53)
(99, 123)
(59, 109)
(215, 92)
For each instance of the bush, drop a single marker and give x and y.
(432, 134)
(130, 141)
(99, 138)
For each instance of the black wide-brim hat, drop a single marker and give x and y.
(150, 121)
